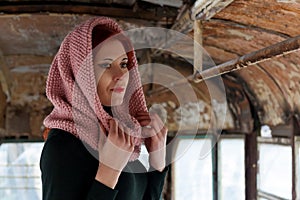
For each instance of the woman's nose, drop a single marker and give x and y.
(118, 73)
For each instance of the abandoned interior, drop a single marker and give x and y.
(245, 81)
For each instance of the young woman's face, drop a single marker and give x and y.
(110, 64)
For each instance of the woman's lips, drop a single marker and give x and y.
(118, 89)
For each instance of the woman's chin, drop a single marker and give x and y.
(116, 102)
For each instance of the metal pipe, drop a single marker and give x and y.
(282, 48)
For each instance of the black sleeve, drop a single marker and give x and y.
(155, 185)
(100, 191)
(68, 170)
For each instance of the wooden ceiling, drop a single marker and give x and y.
(263, 93)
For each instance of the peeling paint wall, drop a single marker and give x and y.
(197, 116)
(29, 89)
(35, 34)
(28, 104)
(223, 115)
(268, 100)
(286, 73)
(193, 115)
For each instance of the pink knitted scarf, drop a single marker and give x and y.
(72, 89)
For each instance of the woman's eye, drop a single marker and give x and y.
(124, 65)
(104, 65)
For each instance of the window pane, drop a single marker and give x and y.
(275, 170)
(192, 172)
(231, 168)
(19, 171)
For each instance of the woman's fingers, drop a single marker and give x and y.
(148, 132)
(120, 135)
(113, 130)
(124, 132)
(128, 137)
(148, 119)
(151, 124)
(143, 118)
(145, 123)
(156, 124)
(118, 145)
(121, 131)
(142, 113)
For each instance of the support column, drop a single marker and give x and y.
(5, 79)
(2, 109)
(251, 166)
(4, 92)
(198, 46)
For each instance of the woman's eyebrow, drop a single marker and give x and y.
(108, 59)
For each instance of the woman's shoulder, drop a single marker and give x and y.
(58, 140)
(64, 144)
(59, 133)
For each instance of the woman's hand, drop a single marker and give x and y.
(155, 134)
(114, 153)
(116, 148)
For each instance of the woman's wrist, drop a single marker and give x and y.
(107, 175)
(157, 161)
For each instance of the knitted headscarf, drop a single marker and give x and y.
(72, 88)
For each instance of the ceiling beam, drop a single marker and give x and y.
(206, 9)
(276, 50)
(183, 23)
(124, 2)
(174, 3)
(153, 14)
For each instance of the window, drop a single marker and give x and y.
(275, 170)
(192, 173)
(231, 165)
(19, 171)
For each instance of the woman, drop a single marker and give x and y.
(99, 121)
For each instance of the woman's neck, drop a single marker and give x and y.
(108, 109)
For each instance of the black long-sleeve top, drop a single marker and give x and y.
(69, 170)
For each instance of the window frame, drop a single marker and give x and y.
(297, 165)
